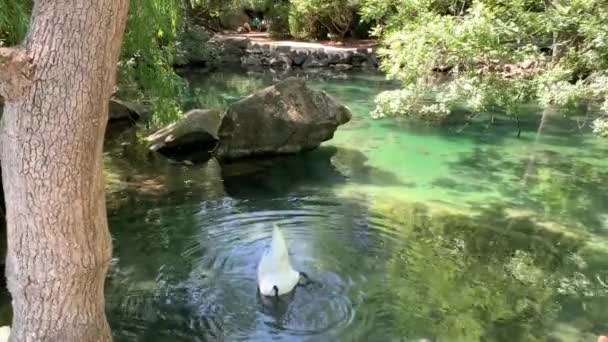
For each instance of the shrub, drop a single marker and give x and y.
(497, 54)
(317, 18)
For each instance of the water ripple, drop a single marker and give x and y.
(220, 252)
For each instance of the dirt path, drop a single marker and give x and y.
(265, 39)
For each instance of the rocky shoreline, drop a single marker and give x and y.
(280, 56)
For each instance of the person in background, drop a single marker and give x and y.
(256, 23)
(246, 28)
(264, 25)
(602, 339)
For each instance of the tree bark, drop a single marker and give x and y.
(59, 246)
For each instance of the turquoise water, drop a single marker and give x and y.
(413, 233)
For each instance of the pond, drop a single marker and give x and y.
(411, 233)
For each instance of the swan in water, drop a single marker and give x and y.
(276, 277)
(5, 332)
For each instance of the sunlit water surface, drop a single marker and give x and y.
(412, 233)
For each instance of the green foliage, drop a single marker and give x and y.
(215, 10)
(146, 72)
(192, 46)
(279, 19)
(408, 101)
(316, 18)
(600, 126)
(146, 66)
(14, 21)
(497, 54)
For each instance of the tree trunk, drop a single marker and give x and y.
(57, 89)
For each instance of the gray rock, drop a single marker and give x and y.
(229, 50)
(334, 58)
(282, 61)
(346, 57)
(255, 50)
(313, 62)
(251, 60)
(298, 58)
(288, 117)
(342, 67)
(366, 65)
(358, 59)
(196, 131)
(231, 42)
(122, 110)
(320, 55)
(282, 49)
(372, 59)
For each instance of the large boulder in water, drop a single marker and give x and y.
(285, 118)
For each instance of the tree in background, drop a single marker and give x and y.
(14, 18)
(498, 54)
(148, 54)
(56, 87)
(317, 18)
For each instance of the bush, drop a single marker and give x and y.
(14, 21)
(192, 46)
(600, 127)
(279, 20)
(410, 103)
(318, 18)
(302, 27)
(497, 54)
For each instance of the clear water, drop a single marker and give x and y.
(412, 233)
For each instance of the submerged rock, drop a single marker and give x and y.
(341, 67)
(196, 133)
(285, 118)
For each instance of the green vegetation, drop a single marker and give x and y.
(498, 54)
(14, 19)
(305, 19)
(319, 18)
(146, 67)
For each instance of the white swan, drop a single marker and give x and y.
(5, 332)
(276, 277)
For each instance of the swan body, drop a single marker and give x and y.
(5, 332)
(276, 277)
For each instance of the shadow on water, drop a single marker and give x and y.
(323, 168)
(489, 278)
(556, 185)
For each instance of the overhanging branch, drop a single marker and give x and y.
(16, 70)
